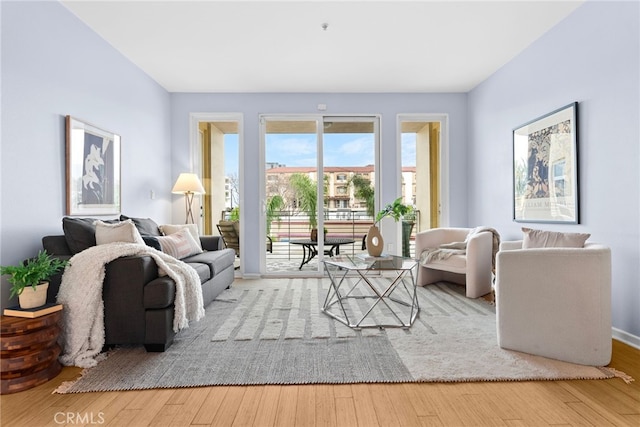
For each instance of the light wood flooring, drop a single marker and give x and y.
(538, 403)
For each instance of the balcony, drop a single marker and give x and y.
(341, 223)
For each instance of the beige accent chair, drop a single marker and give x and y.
(555, 302)
(473, 268)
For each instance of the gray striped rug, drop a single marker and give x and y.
(272, 331)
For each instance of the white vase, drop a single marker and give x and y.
(30, 298)
(375, 243)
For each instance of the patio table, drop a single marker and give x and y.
(310, 247)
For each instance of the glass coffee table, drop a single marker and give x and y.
(359, 284)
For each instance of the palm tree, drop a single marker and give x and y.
(363, 190)
(306, 194)
(274, 206)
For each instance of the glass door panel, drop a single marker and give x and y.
(320, 180)
(349, 165)
(292, 212)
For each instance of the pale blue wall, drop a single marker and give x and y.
(591, 57)
(53, 65)
(387, 105)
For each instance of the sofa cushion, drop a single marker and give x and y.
(146, 226)
(215, 260)
(123, 231)
(152, 241)
(552, 239)
(80, 233)
(179, 245)
(168, 229)
(202, 269)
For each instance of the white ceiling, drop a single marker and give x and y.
(280, 46)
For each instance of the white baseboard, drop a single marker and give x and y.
(626, 337)
(251, 276)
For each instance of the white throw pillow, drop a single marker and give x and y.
(169, 229)
(123, 231)
(552, 239)
(179, 245)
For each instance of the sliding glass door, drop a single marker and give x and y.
(319, 189)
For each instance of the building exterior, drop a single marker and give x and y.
(339, 188)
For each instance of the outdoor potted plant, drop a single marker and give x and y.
(408, 221)
(375, 242)
(29, 279)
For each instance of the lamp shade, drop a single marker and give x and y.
(188, 183)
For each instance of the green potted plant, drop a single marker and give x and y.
(375, 242)
(408, 221)
(396, 210)
(29, 279)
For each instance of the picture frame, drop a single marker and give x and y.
(92, 169)
(545, 168)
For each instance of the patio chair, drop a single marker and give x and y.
(230, 233)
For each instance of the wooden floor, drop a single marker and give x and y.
(538, 403)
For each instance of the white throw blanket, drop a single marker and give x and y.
(447, 250)
(82, 335)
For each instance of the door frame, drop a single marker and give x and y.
(443, 160)
(196, 162)
(319, 119)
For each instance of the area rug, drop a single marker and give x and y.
(272, 331)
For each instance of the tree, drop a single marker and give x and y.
(234, 189)
(306, 194)
(274, 206)
(364, 190)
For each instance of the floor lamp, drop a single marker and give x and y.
(189, 185)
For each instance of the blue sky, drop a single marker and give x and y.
(300, 150)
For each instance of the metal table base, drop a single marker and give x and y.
(401, 290)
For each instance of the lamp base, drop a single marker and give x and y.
(188, 199)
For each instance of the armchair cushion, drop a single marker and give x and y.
(552, 239)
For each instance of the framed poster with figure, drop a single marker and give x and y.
(93, 169)
(545, 168)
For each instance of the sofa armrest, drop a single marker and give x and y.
(211, 243)
(123, 294)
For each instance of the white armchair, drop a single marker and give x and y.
(472, 268)
(555, 302)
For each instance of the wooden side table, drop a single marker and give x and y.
(29, 351)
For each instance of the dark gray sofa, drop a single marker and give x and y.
(138, 304)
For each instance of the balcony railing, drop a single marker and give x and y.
(290, 225)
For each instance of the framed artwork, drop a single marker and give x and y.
(93, 169)
(545, 168)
